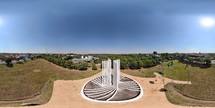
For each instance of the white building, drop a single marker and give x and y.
(212, 61)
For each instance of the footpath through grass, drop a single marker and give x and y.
(25, 81)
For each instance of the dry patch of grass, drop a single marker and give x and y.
(203, 85)
(199, 92)
(27, 81)
(177, 98)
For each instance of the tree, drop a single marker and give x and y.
(208, 61)
(123, 65)
(2, 58)
(139, 64)
(94, 66)
(155, 52)
(8, 60)
(68, 64)
(133, 64)
(82, 66)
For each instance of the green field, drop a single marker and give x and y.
(146, 73)
(202, 87)
(34, 78)
(177, 71)
(198, 93)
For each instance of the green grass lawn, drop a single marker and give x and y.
(176, 72)
(146, 72)
(202, 87)
(24, 81)
(203, 80)
(203, 84)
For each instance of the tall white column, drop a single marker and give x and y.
(109, 72)
(116, 74)
(106, 72)
(103, 73)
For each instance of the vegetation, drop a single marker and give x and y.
(66, 62)
(2, 57)
(176, 98)
(133, 61)
(8, 60)
(176, 72)
(94, 66)
(146, 73)
(196, 60)
(202, 79)
(202, 87)
(26, 81)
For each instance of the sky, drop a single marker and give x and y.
(107, 26)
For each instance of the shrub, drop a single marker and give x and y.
(8, 60)
(68, 64)
(94, 66)
(82, 66)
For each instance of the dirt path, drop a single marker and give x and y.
(167, 80)
(66, 94)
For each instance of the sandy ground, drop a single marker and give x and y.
(66, 94)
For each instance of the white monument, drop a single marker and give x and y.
(107, 79)
(116, 73)
(106, 72)
(111, 87)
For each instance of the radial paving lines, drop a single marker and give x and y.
(111, 87)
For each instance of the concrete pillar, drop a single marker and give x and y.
(106, 72)
(116, 73)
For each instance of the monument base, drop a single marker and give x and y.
(128, 90)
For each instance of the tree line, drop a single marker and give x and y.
(135, 61)
(65, 61)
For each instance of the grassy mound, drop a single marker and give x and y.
(177, 98)
(25, 81)
(203, 85)
(199, 92)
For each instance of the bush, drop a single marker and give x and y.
(124, 64)
(82, 66)
(2, 58)
(8, 60)
(68, 64)
(94, 66)
(133, 64)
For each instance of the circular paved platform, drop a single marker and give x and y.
(128, 90)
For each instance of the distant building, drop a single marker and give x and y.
(77, 60)
(2, 62)
(85, 59)
(212, 61)
(156, 55)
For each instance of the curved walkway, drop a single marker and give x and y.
(167, 80)
(66, 94)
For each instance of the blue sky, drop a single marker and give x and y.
(106, 26)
